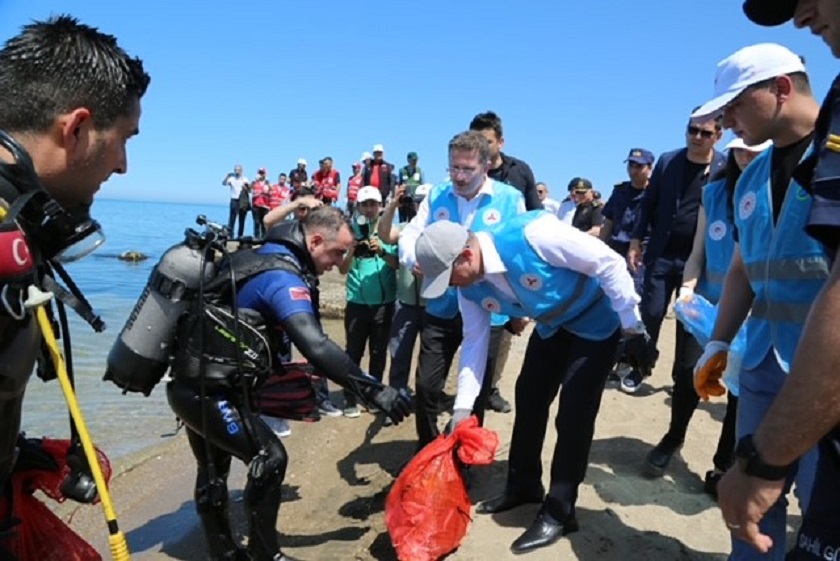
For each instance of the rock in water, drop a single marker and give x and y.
(133, 256)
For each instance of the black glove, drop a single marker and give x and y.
(397, 404)
(637, 351)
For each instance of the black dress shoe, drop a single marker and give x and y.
(508, 501)
(659, 458)
(543, 531)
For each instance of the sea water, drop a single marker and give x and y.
(119, 424)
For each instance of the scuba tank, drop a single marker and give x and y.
(141, 353)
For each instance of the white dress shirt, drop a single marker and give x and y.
(562, 246)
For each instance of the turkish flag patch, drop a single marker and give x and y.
(300, 293)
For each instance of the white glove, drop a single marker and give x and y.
(685, 294)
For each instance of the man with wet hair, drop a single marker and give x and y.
(71, 101)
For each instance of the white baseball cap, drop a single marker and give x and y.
(378, 148)
(366, 156)
(739, 143)
(748, 67)
(302, 162)
(369, 193)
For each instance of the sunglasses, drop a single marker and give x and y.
(694, 131)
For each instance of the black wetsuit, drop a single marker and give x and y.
(224, 426)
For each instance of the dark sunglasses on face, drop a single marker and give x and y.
(694, 131)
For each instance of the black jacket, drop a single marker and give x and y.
(386, 178)
(514, 171)
(659, 205)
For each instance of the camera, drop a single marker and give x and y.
(363, 237)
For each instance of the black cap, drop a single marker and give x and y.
(580, 184)
(769, 12)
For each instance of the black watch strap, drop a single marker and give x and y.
(751, 463)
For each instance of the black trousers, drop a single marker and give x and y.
(580, 366)
(439, 341)
(368, 326)
(662, 279)
(234, 212)
(217, 431)
(259, 213)
(406, 212)
(685, 399)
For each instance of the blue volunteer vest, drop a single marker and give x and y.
(786, 267)
(505, 203)
(553, 296)
(720, 241)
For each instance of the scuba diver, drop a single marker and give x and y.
(71, 100)
(209, 391)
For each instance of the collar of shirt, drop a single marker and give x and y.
(468, 207)
(486, 189)
(494, 267)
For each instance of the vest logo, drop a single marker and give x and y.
(492, 216)
(747, 205)
(442, 214)
(717, 230)
(531, 281)
(491, 305)
(801, 194)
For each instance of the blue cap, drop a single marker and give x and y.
(641, 156)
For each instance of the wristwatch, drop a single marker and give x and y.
(751, 463)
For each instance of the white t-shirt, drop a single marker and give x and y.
(551, 205)
(236, 184)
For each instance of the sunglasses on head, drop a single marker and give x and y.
(694, 131)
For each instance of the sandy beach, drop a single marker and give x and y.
(341, 470)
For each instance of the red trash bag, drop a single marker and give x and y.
(428, 509)
(37, 533)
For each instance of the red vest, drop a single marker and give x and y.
(353, 187)
(259, 193)
(325, 184)
(277, 195)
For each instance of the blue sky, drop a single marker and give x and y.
(263, 83)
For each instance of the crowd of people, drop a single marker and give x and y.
(471, 261)
(260, 196)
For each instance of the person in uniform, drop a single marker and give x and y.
(806, 411)
(777, 270)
